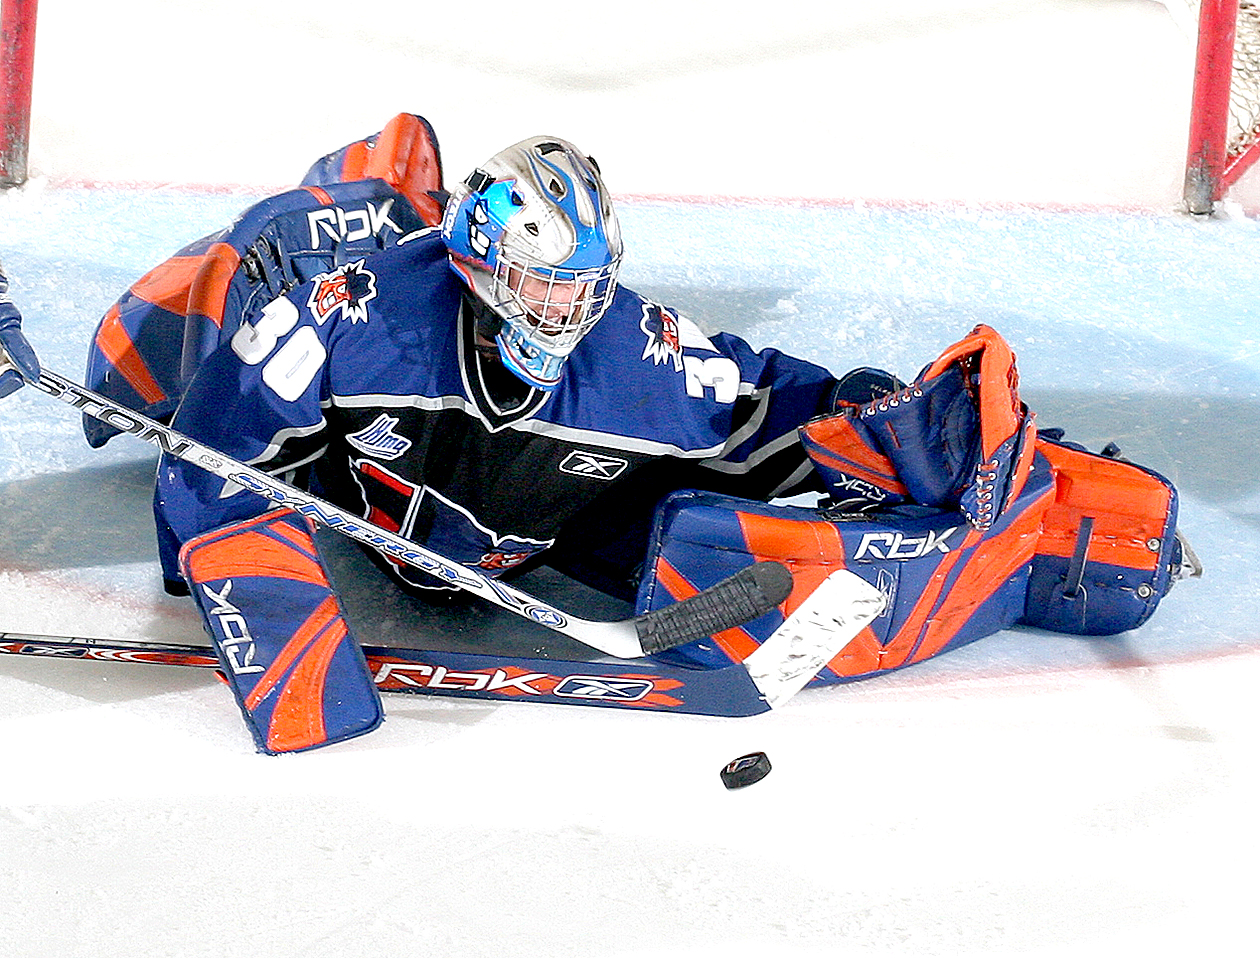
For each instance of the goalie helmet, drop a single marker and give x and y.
(534, 235)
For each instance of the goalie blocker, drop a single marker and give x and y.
(298, 675)
(945, 499)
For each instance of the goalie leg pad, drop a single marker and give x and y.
(299, 677)
(1108, 551)
(946, 582)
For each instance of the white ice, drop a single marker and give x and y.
(858, 183)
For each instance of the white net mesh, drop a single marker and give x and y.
(1244, 91)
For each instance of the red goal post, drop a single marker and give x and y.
(1225, 110)
(17, 65)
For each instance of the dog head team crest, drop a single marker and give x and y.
(664, 339)
(348, 288)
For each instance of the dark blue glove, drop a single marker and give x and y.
(22, 365)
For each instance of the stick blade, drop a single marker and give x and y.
(833, 614)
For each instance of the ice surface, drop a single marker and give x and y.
(902, 172)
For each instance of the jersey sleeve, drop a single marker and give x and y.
(257, 399)
(723, 415)
(762, 457)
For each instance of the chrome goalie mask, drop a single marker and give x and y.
(534, 235)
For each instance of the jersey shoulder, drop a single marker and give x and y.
(385, 293)
(388, 320)
(649, 372)
(658, 348)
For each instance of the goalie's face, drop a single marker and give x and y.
(558, 307)
(550, 311)
(549, 303)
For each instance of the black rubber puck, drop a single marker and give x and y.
(745, 770)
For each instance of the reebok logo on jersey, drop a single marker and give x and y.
(379, 439)
(593, 465)
(348, 288)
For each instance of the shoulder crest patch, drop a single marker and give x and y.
(664, 340)
(348, 288)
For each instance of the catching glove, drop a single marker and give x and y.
(957, 438)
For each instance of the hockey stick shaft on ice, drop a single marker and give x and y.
(651, 685)
(748, 594)
(808, 638)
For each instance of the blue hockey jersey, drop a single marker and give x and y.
(369, 380)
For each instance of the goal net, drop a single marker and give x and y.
(1225, 111)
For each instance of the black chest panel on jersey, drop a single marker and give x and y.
(462, 480)
(513, 481)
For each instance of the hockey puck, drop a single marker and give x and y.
(745, 770)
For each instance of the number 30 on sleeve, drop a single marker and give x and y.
(294, 364)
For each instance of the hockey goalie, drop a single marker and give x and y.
(465, 369)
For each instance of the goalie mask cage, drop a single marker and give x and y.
(1225, 111)
(17, 63)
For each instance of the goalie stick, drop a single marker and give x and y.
(747, 595)
(814, 633)
(647, 685)
(732, 691)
